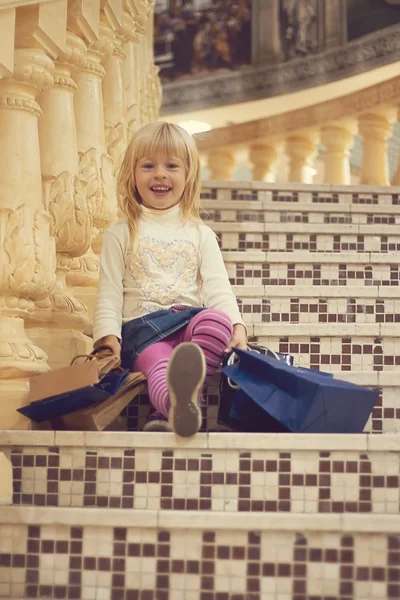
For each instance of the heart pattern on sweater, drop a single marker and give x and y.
(163, 271)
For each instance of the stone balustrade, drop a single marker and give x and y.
(77, 78)
(324, 132)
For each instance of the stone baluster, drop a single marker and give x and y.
(143, 92)
(130, 73)
(221, 163)
(300, 149)
(95, 164)
(337, 138)
(65, 200)
(262, 156)
(375, 128)
(114, 93)
(27, 251)
(133, 66)
(154, 83)
(143, 61)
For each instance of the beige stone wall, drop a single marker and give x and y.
(77, 78)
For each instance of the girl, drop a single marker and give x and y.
(164, 302)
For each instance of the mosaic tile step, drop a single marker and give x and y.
(305, 291)
(298, 195)
(158, 555)
(228, 473)
(261, 307)
(255, 268)
(329, 229)
(306, 213)
(337, 352)
(310, 239)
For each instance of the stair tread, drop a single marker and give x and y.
(114, 517)
(227, 441)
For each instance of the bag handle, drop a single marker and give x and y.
(234, 358)
(94, 355)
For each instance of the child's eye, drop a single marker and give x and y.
(148, 166)
(172, 166)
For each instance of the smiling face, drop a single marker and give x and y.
(160, 180)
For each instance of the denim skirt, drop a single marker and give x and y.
(140, 333)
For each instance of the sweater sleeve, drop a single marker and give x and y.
(110, 292)
(217, 289)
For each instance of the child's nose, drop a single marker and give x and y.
(160, 171)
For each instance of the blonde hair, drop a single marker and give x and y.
(168, 139)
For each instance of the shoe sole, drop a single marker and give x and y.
(158, 426)
(186, 372)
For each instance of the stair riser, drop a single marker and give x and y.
(302, 196)
(319, 273)
(90, 562)
(302, 482)
(242, 216)
(336, 354)
(307, 241)
(308, 310)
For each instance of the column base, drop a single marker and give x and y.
(60, 345)
(6, 483)
(87, 295)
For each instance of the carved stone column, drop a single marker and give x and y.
(27, 252)
(130, 74)
(221, 162)
(155, 93)
(153, 79)
(262, 156)
(143, 91)
(95, 168)
(375, 128)
(64, 192)
(300, 150)
(144, 62)
(114, 99)
(6, 481)
(337, 139)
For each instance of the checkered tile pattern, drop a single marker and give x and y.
(228, 481)
(123, 563)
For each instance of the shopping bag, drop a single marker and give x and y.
(100, 415)
(276, 396)
(232, 398)
(71, 388)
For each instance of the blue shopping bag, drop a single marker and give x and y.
(58, 405)
(269, 395)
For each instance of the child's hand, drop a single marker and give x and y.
(112, 342)
(239, 338)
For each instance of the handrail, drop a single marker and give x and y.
(386, 93)
(5, 4)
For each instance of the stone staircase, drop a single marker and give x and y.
(225, 516)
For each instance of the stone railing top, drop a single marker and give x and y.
(382, 94)
(4, 4)
(265, 81)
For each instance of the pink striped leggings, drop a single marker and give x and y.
(210, 329)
